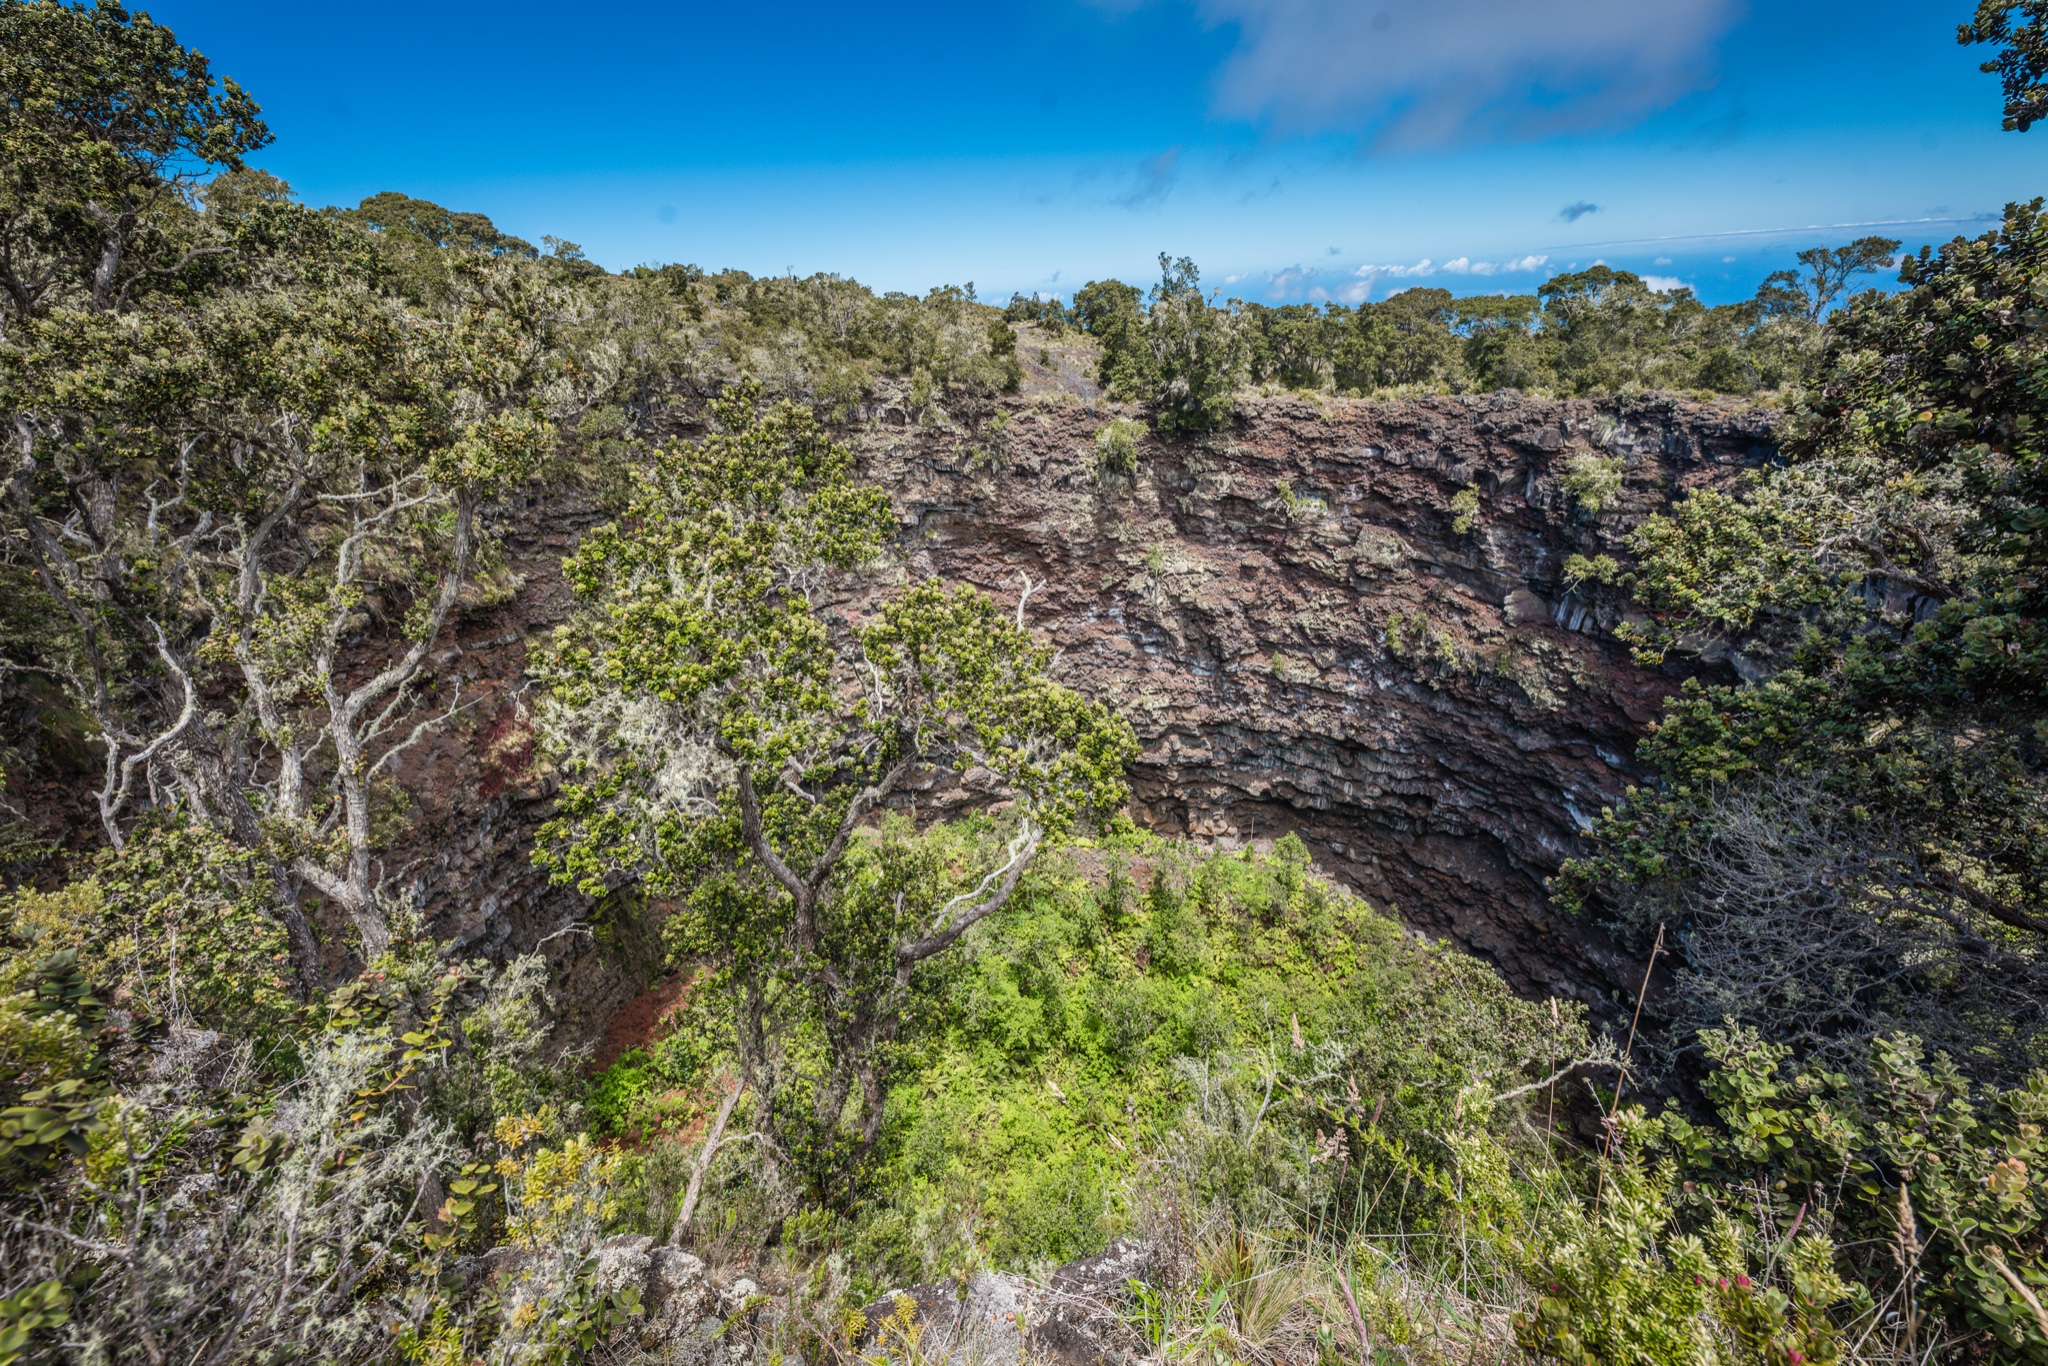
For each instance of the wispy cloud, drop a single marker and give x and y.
(1291, 281)
(1423, 267)
(1155, 179)
(1359, 283)
(1420, 72)
(1572, 213)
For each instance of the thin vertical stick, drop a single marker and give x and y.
(712, 1140)
(1550, 1115)
(1357, 1319)
(1628, 1050)
(1627, 1054)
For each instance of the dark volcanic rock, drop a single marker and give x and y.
(1305, 641)
(1287, 613)
(1078, 1321)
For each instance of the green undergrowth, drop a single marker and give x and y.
(1222, 1053)
(1134, 1002)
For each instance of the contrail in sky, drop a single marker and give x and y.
(1770, 232)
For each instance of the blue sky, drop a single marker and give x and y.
(1295, 148)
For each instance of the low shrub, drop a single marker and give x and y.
(1591, 481)
(1116, 448)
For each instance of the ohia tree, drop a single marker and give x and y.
(729, 726)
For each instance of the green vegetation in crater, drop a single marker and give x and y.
(251, 1112)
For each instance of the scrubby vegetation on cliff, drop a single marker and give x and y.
(251, 1111)
(1856, 844)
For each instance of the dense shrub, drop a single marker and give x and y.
(1181, 352)
(188, 1157)
(1857, 844)
(1177, 999)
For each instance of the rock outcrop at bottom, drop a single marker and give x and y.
(1077, 1318)
(687, 1319)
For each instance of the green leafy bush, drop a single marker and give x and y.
(1465, 510)
(1085, 1019)
(647, 1089)
(1930, 1187)
(1116, 447)
(1177, 350)
(1592, 480)
(1858, 840)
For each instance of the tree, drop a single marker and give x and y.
(1405, 339)
(234, 455)
(1110, 311)
(1828, 273)
(1049, 314)
(2022, 63)
(1199, 351)
(1291, 344)
(106, 123)
(1889, 779)
(728, 728)
(279, 460)
(391, 212)
(1502, 346)
(1604, 325)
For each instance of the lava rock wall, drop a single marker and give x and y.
(1313, 631)
(1348, 619)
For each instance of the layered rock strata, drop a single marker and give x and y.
(1348, 619)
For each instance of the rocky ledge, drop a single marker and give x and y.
(1346, 619)
(690, 1317)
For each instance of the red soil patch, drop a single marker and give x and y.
(639, 1022)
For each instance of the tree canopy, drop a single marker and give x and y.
(1860, 843)
(2019, 28)
(729, 725)
(105, 120)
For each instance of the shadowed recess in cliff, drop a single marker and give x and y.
(1378, 624)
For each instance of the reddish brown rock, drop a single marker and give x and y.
(1306, 642)
(1286, 612)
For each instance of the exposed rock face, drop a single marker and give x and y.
(1077, 1318)
(1290, 615)
(985, 1320)
(1080, 1319)
(1306, 640)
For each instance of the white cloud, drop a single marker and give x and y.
(1432, 71)
(1285, 282)
(1462, 266)
(1422, 267)
(1665, 283)
(1661, 261)
(1367, 276)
